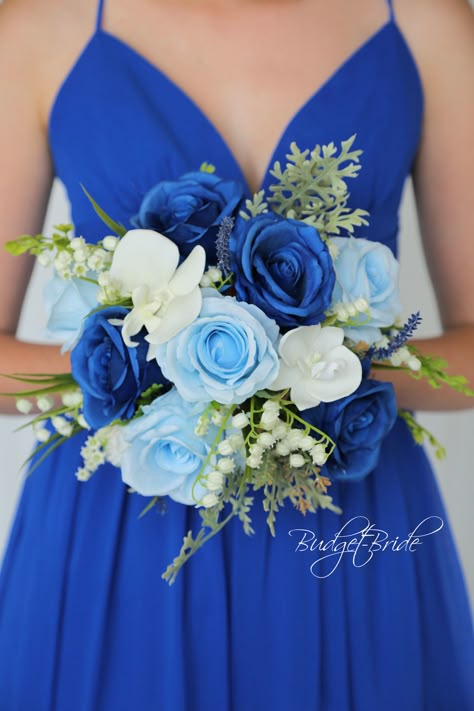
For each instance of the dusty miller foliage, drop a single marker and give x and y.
(304, 488)
(312, 188)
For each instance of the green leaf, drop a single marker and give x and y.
(21, 245)
(420, 433)
(116, 227)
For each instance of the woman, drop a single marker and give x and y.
(85, 620)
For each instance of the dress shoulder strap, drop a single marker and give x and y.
(100, 12)
(390, 9)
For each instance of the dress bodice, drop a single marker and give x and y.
(119, 124)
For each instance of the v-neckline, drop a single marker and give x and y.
(283, 136)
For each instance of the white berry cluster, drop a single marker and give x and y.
(93, 453)
(62, 420)
(347, 310)
(109, 291)
(223, 464)
(79, 258)
(288, 441)
(400, 357)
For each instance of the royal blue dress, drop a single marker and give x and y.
(86, 622)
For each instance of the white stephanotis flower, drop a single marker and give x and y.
(316, 366)
(166, 297)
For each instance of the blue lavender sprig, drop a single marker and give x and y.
(398, 340)
(222, 244)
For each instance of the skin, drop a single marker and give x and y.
(221, 52)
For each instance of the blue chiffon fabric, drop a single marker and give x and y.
(86, 622)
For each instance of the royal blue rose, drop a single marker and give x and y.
(189, 210)
(110, 375)
(283, 267)
(358, 424)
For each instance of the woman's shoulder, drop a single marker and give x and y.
(434, 29)
(40, 41)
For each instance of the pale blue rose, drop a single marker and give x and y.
(164, 456)
(67, 303)
(367, 269)
(226, 354)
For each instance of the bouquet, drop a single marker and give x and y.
(224, 346)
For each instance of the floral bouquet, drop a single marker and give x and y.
(224, 346)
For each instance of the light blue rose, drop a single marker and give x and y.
(164, 456)
(367, 269)
(226, 354)
(67, 303)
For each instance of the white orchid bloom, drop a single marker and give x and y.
(316, 366)
(166, 297)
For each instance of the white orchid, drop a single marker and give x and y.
(316, 366)
(166, 297)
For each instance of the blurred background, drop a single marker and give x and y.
(454, 430)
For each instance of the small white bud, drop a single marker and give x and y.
(81, 421)
(83, 474)
(352, 310)
(240, 421)
(44, 402)
(395, 359)
(214, 481)
(24, 406)
(280, 430)
(297, 461)
(307, 443)
(44, 259)
(254, 462)
(271, 406)
(80, 254)
(77, 243)
(62, 426)
(382, 342)
(110, 243)
(318, 455)
(361, 304)
(215, 274)
(226, 465)
(404, 354)
(413, 363)
(42, 434)
(80, 270)
(72, 399)
(266, 440)
(202, 426)
(269, 419)
(62, 259)
(342, 313)
(217, 417)
(282, 449)
(104, 279)
(225, 447)
(293, 439)
(256, 450)
(236, 441)
(209, 500)
(205, 280)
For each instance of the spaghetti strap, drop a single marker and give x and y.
(390, 9)
(100, 12)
